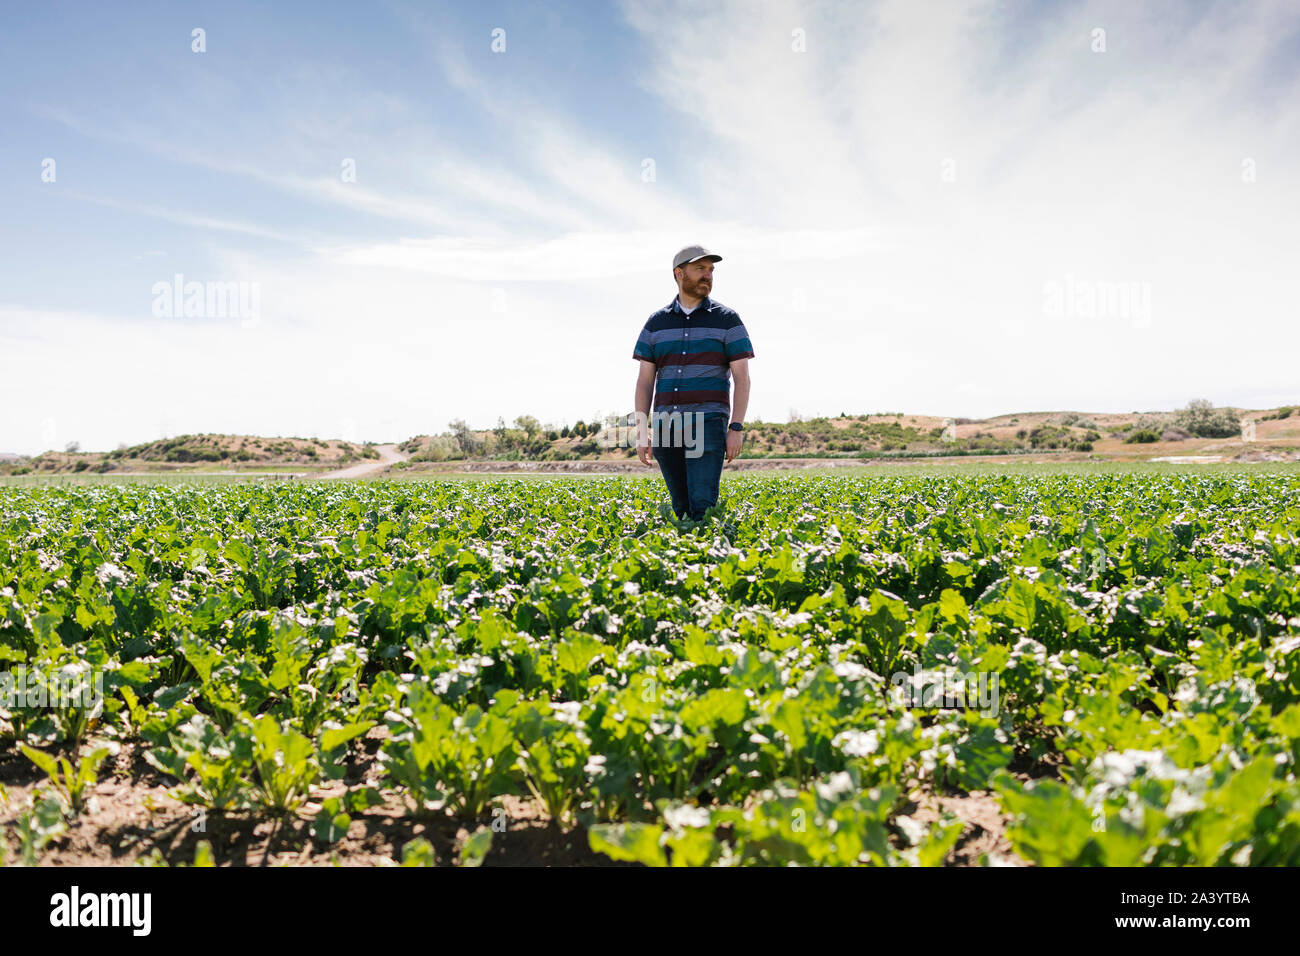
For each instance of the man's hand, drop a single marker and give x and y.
(645, 452)
(734, 440)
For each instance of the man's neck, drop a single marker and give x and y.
(689, 301)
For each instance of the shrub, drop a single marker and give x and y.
(1204, 420)
(1077, 420)
(1142, 436)
(440, 448)
(182, 453)
(1049, 436)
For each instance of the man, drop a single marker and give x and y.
(689, 351)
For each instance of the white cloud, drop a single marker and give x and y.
(580, 257)
(1123, 166)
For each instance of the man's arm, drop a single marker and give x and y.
(739, 404)
(645, 387)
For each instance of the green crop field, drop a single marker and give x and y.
(1084, 668)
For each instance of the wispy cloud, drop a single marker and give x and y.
(187, 219)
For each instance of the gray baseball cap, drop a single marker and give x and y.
(694, 254)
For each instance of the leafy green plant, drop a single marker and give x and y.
(285, 762)
(446, 760)
(43, 821)
(553, 756)
(476, 847)
(71, 783)
(215, 768)
(419, 852)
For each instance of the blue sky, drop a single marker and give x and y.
(904, 195)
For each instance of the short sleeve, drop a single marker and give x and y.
(736, 345)
(643, 349)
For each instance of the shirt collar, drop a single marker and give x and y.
(705, 303)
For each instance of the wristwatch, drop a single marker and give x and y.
(736, 427)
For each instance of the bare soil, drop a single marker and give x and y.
(984, 837)
(134, 817)
(134, 813)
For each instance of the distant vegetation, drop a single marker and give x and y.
(889, 434)
(1202, 419)
(233, 451)
(1142, 436)
(885, 435)
(526, 439)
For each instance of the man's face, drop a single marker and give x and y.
(697, 277)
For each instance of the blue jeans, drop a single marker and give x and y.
(690, 458)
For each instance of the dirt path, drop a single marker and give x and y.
(388, 455)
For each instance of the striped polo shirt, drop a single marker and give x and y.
(691, 354)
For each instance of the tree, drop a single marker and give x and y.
(529, 424)
(73, 447)
(1198, 413)
(1201, 418)
(464, 437)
